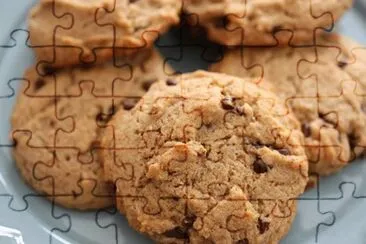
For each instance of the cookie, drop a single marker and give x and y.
(323, 86)
(255, 22)
(206, 158)
(65, 32)
(57, 120)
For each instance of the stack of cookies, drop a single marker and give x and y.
(202, 157)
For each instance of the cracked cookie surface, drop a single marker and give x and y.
(57, 120)
(207, 158)
(324, 86)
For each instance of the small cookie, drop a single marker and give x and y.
(64, 32)
(253, 22)
(324, 88)
(205, 158)
(57, 137)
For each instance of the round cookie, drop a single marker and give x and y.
(253, 22)
(66, 32)
(324, 87)
(207, 158)
(57, 121)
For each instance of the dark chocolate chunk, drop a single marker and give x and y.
(227, 103)
(221, 22)
(240, 110)
(243, 241)
(341, 64)
(86, 66)
(188, 221)
(305, 128)
(129, 103)
(171, 82)
(352, 140)
(146, 84)
(258, 145)
(259, 166)
(284, 151)
(111, 110)
(177, 232)
(48, 70)
(262, 226)
(39, 84)
(276, 28)
(74, 194)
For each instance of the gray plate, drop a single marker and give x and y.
(332, 213)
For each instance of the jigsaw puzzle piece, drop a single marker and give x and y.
(265, 23)
(346, 209)
(94, 32)
(115, 225)
(37, 207)
(56, 27)
(310, 221)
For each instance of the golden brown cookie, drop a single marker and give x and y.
(324, 86)
(57, 121)
(207, 158)
(263, 22)
(65, 32)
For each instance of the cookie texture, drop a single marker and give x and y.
(259, 22)
(324, 86)
(64, 32)
(57, 121)
(207, 158)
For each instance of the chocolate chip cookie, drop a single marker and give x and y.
(64, 32)
(253, 22)
(59, 116)
(207, 158)
(323, 85)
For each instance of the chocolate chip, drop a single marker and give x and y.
(221, 22)
(341, 64)
(363, 107)
(259, 166)
(240, 110)
(15, 143)
(276, 28)
(104, 118)
(100, 117)
(129, 103)
(95, 144)
(262, 226)
(227, 103)
(48, 70)
(177, 232)
(86, 66)
(258, 145)
(352, 140)
(305, 128)
(171, 82)
(133, 1)
(74, 194)
(39, 84)
(111, 110)
(243, 241)
(284, 151)
(147, 83)
(188, 221)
